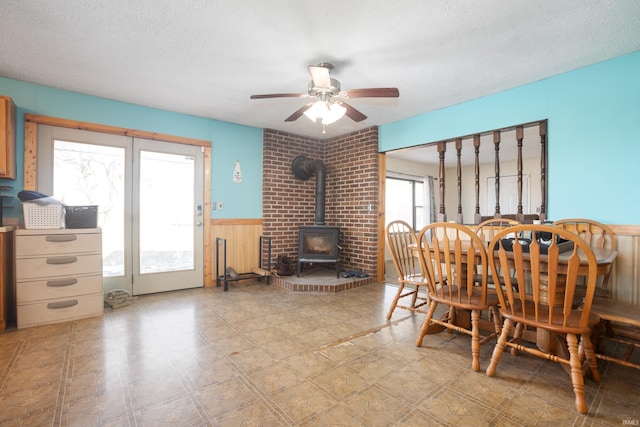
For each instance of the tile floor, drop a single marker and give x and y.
(261, 355)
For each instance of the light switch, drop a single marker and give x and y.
(220, 206)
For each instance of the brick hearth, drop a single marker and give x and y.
(319, 279)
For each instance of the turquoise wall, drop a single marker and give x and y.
(230, 142)
(593, 135)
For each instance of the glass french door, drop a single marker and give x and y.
(149, 196)
(168, 218)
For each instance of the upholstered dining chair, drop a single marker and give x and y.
(401, 239)
(450, 255)
(545, 300)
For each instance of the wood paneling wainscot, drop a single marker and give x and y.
(243, 244)
(624, 283)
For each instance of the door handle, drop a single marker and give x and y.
(199, 224)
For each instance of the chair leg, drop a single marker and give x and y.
(517, 338)
(596, 337)
(426, 323)
(414, 297)
(590, 355)
(452, 318)
(475, 340)
(577, 378)
(499, 348)
(497, 321)
(395, 301)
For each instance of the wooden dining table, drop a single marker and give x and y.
(545, 341)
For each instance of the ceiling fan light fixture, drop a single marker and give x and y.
(323, 88)
(317, 110)
(335, 113)
(327, 111)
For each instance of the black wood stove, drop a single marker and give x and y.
(318, 244)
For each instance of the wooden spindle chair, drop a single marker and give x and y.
(596, 235)
(487, 230)
(545, 302)
(450, 255)
(400, 238)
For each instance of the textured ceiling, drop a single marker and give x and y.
(206, 57)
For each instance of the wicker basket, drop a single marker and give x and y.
(38, 216)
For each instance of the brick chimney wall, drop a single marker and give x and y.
(351, 195)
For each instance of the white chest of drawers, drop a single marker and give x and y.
(58, 275)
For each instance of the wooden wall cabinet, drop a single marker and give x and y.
(7, 138)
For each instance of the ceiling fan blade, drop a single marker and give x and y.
(352, 113)
(299, 112)
(376, 92)
(278, 95)
(320, 76)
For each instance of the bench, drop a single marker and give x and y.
(619, 323)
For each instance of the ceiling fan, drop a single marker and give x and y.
(329, 105)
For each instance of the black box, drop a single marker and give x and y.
(563, 245)
(81, 216)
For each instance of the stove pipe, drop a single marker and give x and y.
(303, 168)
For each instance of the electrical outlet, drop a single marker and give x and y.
(220, 206)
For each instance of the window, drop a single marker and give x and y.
(405, 200)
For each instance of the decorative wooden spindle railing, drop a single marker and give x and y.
(442, 148)
(477, 218)
(543, 169)
(496, 147)
(520, 215)
(459, 153)
(519, 138)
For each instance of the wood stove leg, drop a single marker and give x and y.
(298, 268)
(337, 269)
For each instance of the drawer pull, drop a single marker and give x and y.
(62, 260)
(62, 304)
(61, 238)
(61, 282)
